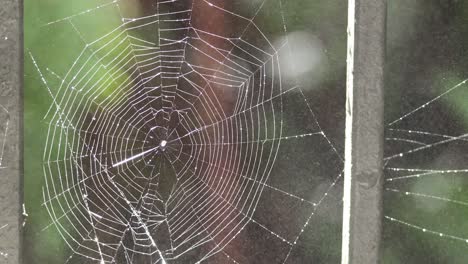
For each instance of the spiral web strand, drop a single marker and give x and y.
(163, 137)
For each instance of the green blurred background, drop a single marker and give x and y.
(426, 55)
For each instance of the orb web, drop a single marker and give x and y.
(164, 132)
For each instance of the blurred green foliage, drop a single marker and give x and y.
(427, 48)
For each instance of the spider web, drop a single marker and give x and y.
(425, 197)
(436, 188)
(170, 138)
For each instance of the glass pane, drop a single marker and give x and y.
(426, 187)
(184, 131)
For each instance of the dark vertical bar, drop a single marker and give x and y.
(10, 101)
(362, 201)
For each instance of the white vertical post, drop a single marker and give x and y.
(362, 201)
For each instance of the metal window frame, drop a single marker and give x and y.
(11, 40)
